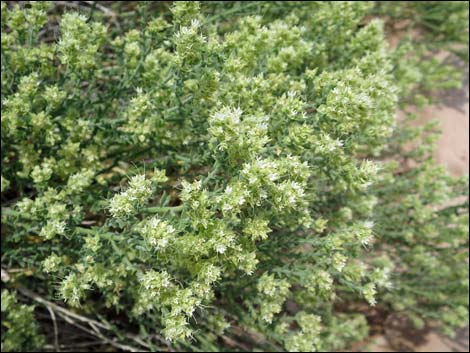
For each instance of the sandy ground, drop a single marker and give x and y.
(431, 342)
(453, 114)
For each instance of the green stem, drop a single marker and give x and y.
(212, 174)
(111, 237)
(230, 11)
(10, 212)
(163, 209)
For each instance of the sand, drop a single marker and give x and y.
(453, 115)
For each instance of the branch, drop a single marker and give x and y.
(162, 209)
(72, 319)
(102, 8)
(56, 330)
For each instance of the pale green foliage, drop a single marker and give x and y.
(157, 233)
(204, 178)
(20, 330)
(273, 294)
(307, 339)
(79, 42)
(128, 202)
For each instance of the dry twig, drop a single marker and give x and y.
(56, 330)
(74, 319)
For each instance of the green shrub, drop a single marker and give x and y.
(221, 180)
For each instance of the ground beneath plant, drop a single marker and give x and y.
(453, 153)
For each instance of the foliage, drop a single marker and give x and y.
(217, 177)
(431, 252)
(443, 24)
(19, 328)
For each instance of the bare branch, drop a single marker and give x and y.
(73, 319)
(102, 8)
(56, 330)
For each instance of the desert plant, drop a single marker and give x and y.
(219, 188)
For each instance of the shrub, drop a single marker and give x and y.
(222, 184)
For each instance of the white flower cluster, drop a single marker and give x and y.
(263, 178)
(199, 202)
(242, 138)
(79, 181)
(141, 117)
(308, 339)
(73, 288)
(233, 198)
(79, 41)
(52, 263)
(126, 203)
(320, 282)
(339, 261)
(257, 228)
(42, 173)
(188, 42)
(369, 291)
(159, 290)
(52, 228)
(157, 233)
(273, 293)
(222, 239)
(155, 281)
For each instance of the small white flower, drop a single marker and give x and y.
(291, 94)
(227, 207)
(273, 176)
(220, 248)
(365, 241)
(195, 23)
(162, 243)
